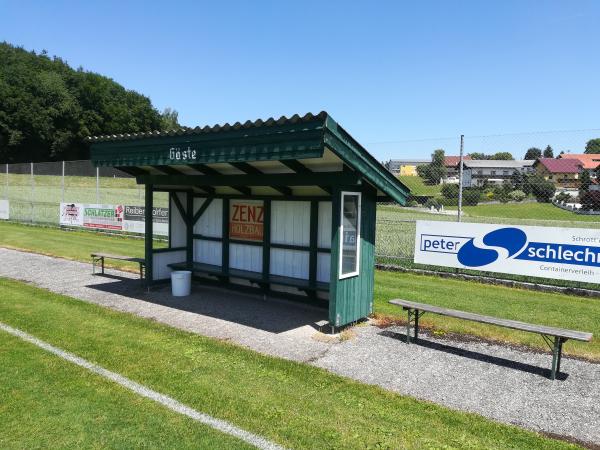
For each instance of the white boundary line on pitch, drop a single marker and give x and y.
(165, 400)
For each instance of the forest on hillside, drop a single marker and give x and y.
(47, 108)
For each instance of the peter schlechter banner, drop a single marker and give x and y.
(547, 252)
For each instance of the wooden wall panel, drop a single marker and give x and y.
(290, 222)
(290, 263)
(245, 257)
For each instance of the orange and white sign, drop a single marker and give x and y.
(246, 220)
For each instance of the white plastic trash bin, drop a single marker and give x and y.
(181, 283)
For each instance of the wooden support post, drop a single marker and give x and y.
(225, 237)
(314, 236)
(266, 247)
(189, 221)
(149, 193)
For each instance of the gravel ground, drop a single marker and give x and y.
(500, 382)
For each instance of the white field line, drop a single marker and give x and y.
(144, 391)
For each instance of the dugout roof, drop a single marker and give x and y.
(296, 156)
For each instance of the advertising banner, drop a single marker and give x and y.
(4, 210)
(105, 217)
(134, 220)
(246, 220)
(547, 252)
(71, 214)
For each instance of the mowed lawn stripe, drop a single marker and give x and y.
(293, 404)
(143, 391)
(46, 402)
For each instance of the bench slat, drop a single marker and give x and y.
(514, 324)
(119, 257)
(211, 269)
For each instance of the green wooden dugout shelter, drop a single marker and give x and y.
(285, 205)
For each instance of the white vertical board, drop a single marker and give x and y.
(211, 221)
(160, 271)
(290, 263)
(324, 235)
(290, 223)
(208, 252)
(178, 229)
(245, 257)
(323, 267)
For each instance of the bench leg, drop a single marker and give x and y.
(556, 357)
(416, 325)
(102, 259)
(408, 327)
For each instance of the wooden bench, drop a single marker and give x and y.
(98, 258)
(253, 277)
(560, 335)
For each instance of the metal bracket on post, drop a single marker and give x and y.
(555, 345)
(413, 315)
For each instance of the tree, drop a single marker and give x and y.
(592, 146)
(450, 191)
(533, 153)
(585, 180)
(548, 152)
(590, 200)
(542, 189)
(496, 156)
(517, 180)
(477, 155)
(168, 119)
(435, 171)
(47, 108)
(502, 156)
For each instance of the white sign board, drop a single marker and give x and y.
(4, 209)
(71, 214)
(547, 252)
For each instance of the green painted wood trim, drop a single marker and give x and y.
(225, 237)
(167, 250)
(251, 170)
(266, 244)
(201, 210)
(189, 228)
(148, 241)
(297, 198)
(335, 257)
(356, 156)
(179, 207)
(170, 216)
(289, 179)
(298, 167)
(168, 170)
(314, 236)
(208, 238)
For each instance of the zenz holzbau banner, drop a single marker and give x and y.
(246, 221)
(547, 252)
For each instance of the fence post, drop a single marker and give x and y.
(460, 178)
(98, 185)
(6, 187)
(62, 183)
(32, 191)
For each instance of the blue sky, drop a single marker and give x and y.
(386, 71)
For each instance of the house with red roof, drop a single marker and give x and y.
(563, 172)
(451, 164)
(590, 161)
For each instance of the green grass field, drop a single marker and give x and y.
(46, 402)
(538, 307)
(418, 187)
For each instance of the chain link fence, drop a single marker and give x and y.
(544, 179)
(35, 190)
(547, 179)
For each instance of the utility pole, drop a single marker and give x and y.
(460, 178)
